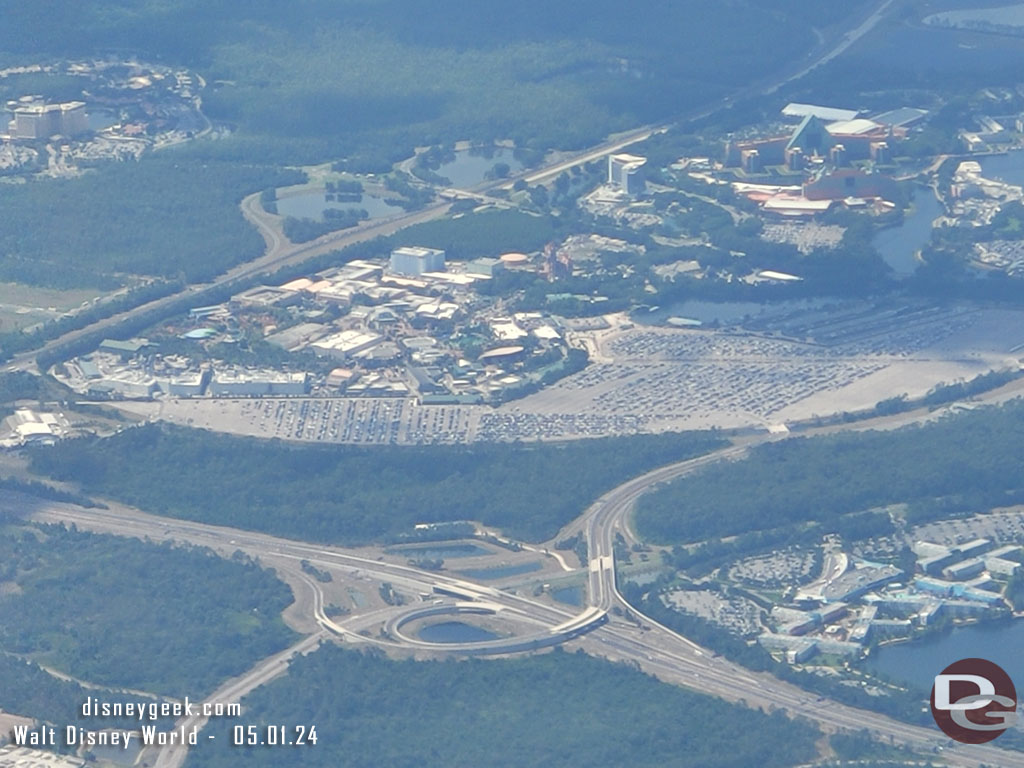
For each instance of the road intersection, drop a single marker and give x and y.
(645, 643)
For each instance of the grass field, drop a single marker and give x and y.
(24, 305)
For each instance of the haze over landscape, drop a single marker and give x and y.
(386, 383)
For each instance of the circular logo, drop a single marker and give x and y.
(973, 701)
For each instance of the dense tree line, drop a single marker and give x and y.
(28, 690)
(121, 612)
(959, 464)
(165, 216)
(555, 709)
(17, 341)
(353, 494)
(941, 394)
(304, 230)
(135, 323)
(46, 491)
(19, 385)
(394, 75)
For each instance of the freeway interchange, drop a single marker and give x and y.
(598, 629)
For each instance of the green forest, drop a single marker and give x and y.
(166, 216)
(121, 612)
(555, 709)
(351, 494)
(325, 78)
(28, 690)
(956, 465)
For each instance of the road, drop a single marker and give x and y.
(231, 692)
(838, 48)
(655, 649)
(681, 660)
(281, 253)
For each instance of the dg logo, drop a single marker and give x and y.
(974, 701)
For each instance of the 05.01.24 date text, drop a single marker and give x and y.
(273, 735)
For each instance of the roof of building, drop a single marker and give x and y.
(811, 134)
(899, 118)
(856, 127)
(782, 204)
(501, 352)
(795, 109)
(417, 251)
(299, 284)
(200, 333)
(129, 345)
(629, 160)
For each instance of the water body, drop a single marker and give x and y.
(918, 662)
(1010, 16)
(1008, 167)
(470, 166)
(501, 572)
(454, 632)
(101, 119)
(568, 595)
(899, 245)
(311, 205)
(443, 551)
(118, 755)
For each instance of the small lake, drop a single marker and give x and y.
(311, 205)
(454, 632)
(568, 595)
(501, 572)
(442, 551)
(1008, 167)
(101, 119)
(918, 662)
(899, 245)
(470, 166)
(118, 755)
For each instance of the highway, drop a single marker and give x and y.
(289, 554)
(655, 648)
(839, 48)
(676, 658)
(231, 692)
(281, 253)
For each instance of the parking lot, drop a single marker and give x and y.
(737, 614)
(372, 421)
(1006, 527)
(648, 379)
(779, 569)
